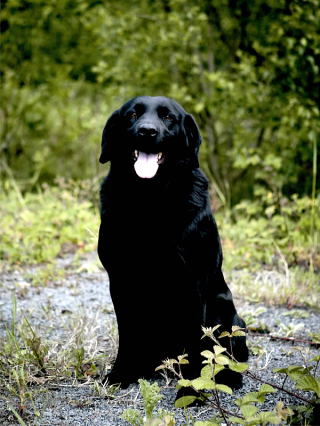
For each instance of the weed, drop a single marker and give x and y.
(252, 323)
(289, 330)
(151, 396)
(296, 313)
(46, 275)
(315, 337)
(103, 390)
(18, 386)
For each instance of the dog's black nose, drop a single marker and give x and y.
(147, 130)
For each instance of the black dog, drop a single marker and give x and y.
(159, 242)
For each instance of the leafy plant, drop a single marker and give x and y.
(249, 412)
(302, 377)
(215, 361)
(151, 396)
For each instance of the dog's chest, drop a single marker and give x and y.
(145, 220)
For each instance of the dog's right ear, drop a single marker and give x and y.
(108, 135)
(193, 138)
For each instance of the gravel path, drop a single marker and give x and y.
(74, 307)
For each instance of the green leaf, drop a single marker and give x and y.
(249, 398)
(293, 371)
(223, 388)
(182, 359)
(217, 368)
(184, 401)
(224, 334)
(221, 359)
(203, 383)
(269, 417)
(239, 367)
(283, 370)
(207, 354)
(207, 372)
(238, 333)
(248, 410)
(309, 383)
(218, 349)
(132, 416)
(265, 388)
(184, 382)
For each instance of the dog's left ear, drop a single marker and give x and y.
(109, 133)
(193, 137)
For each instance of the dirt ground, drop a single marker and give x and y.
(70, 305)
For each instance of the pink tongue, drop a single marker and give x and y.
(146, 165)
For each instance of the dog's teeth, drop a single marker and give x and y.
(159, 155)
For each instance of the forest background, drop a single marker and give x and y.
(247, 70)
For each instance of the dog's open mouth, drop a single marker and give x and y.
(146, 165)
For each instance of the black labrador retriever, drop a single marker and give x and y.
(159, 242)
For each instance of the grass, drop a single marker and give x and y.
(33, 356)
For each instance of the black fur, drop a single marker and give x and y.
(160, 245)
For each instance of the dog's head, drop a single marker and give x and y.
(152, 133)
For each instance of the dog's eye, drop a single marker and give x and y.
(168, 117)
(133, 115)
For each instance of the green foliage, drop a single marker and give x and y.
(302, 377)
(215, 361)
(250, 406)
(151, 395)
(37, 227)
(250, 410)
(248, 71)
